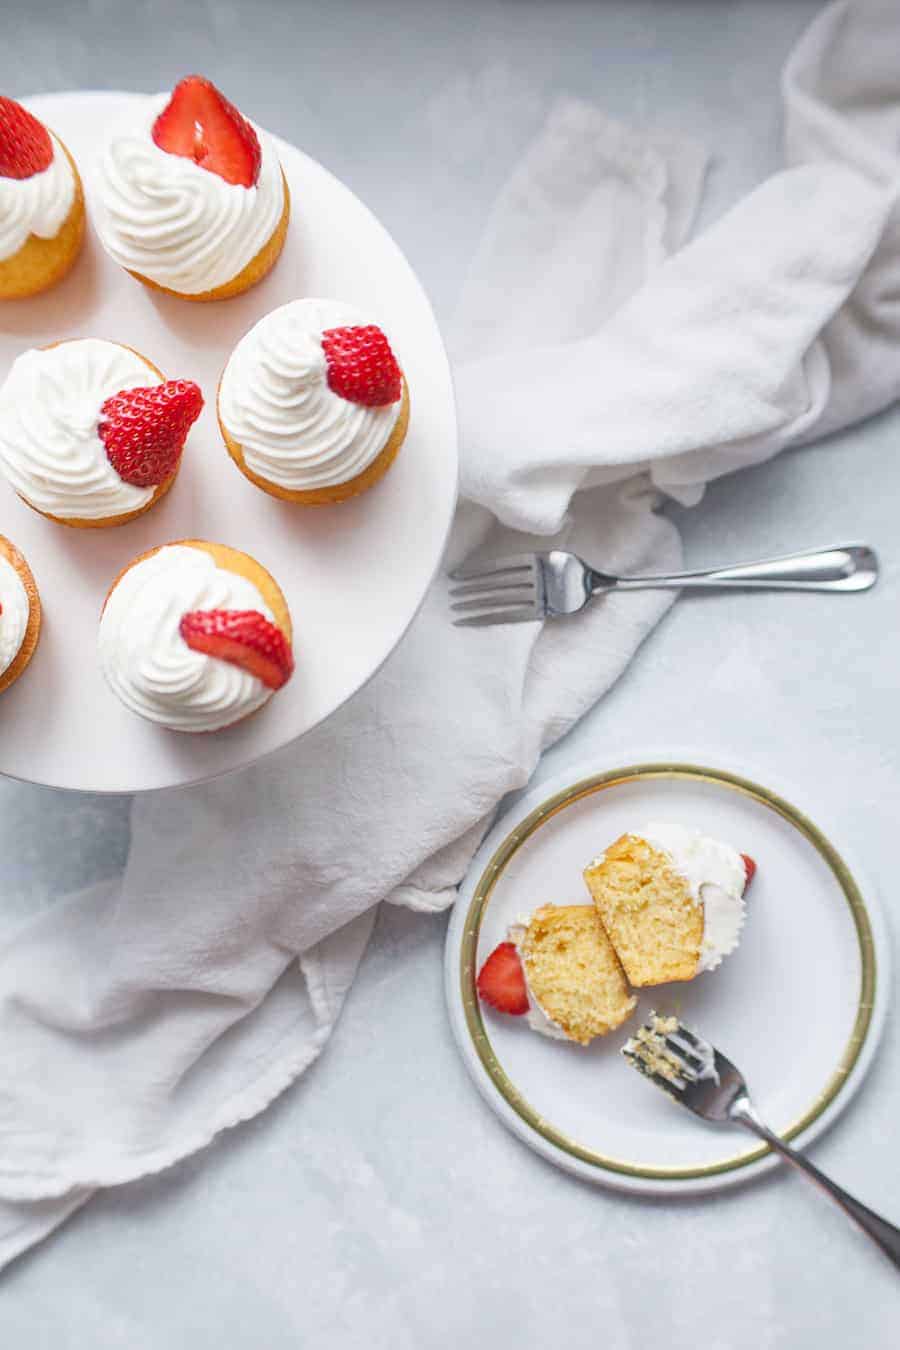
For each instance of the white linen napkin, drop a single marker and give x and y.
(141, 1017)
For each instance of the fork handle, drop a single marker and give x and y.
(846, 567)
(882, 1233)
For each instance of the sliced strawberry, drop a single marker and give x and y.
(501, 981)
(749, 869)
(199, 123)
(245, 638)
(144, 429)
(25, 144)
(361, 366)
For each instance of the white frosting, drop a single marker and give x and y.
(36, 205)
(275, 401)
(50, 446)
(171, 220)
(14, 614)
(148, 663)
(536, 1018)
(715, 875)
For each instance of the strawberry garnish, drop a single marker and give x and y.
(361, 366)
(144, 429)
(749, 869)
(25, 144)
(501, 981)
(199, 123)
(245, 638)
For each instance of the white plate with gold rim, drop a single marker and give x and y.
(354, 574)
(799, 1007)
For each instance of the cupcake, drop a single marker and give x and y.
(20, 614)
(671, 901)
(41, 205)
(91, 433)
(312, 404)
(192, 199)
(195, 636)
(560, 971)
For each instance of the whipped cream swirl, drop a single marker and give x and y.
(36, 205)
(14, 614)
(275, 401)
(145, 658)
(50, 446)
(716, 878)
(181, 225)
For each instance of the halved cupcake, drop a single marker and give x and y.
(670, 900)
(313, 406)
(20, 614)
(41, 205)
(195, 636)
(91, 433)
(559, 969)
(192, 198)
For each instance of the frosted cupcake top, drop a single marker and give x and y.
(14, 614)
(275, 401)
(146, 660)
(169, 219)
(36, 205)
(50, 445)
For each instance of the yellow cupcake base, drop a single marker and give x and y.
(105, 522)
(257, 268)
(41, 263)
(33, 628)
(338, 492)
(243, 565)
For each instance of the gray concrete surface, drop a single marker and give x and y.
(379, 1204)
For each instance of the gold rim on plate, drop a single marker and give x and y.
(528, 827)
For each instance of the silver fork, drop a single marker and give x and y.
(700, 1077)
(529, 586)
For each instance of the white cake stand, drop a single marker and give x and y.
(354, 575)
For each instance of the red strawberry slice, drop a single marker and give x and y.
(199, 123)
(361, 366)
(144, 429)
(501, 981)
(25, 144)
(245, 638)
(749, 869)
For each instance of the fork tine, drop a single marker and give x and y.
(653, 1055)
(494, 600)
(672, 1086)
(520, 614)
(655, 1046)
(692, 1040)
(502, 582)
(669, 1085)
(685, 1057)
(516, 562)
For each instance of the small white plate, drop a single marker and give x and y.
(354, 574)
(799, 1007)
